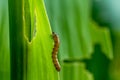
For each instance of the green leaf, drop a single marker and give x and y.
(40, 65)
(102, 37)
(31, 41)
(75, 71)
(4, 42)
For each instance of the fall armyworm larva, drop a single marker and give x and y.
(55, 51)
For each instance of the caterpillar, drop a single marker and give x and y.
(55, 51)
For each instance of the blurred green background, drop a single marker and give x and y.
(89, 33)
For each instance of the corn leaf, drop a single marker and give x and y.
(4, 41)
(29, 56)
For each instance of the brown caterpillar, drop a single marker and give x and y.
(55, 51)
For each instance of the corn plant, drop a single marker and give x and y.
(26, 41)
